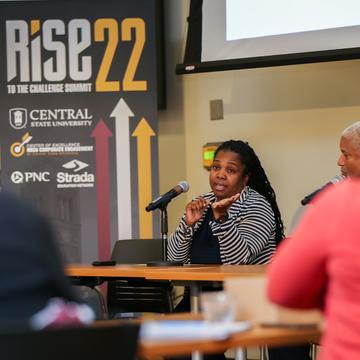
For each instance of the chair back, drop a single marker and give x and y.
(138, 295)
(90, 343)
(137, 251)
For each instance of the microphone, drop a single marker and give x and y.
(181, 187)
(333, 181)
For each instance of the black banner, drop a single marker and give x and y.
(78, 118)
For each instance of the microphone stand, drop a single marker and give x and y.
(164, 238)
(164, 230)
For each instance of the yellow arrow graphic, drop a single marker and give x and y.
(143, 132)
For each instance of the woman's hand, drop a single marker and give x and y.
(221, 207)
(194, 210)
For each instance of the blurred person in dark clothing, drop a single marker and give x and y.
(31, 271)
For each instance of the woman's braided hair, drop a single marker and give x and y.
(257, 178)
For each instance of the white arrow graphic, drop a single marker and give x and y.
(122, 114)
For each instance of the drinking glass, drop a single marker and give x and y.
(217, 306)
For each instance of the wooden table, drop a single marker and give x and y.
(258, 336)
(195, 276)
(206, 273)
(192, 275)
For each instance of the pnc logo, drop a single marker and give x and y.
(18, 177)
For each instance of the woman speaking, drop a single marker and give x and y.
(238, 221)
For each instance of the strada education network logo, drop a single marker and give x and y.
(18, 118)
(71, 180)
(75, 165)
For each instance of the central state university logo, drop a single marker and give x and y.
(18, 118)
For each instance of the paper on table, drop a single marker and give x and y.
(190, 330)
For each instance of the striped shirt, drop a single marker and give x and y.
(246, 237)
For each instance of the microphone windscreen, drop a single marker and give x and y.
(184, 185)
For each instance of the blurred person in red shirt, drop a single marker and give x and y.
(319, 265)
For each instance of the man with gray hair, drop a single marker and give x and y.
(349, 160)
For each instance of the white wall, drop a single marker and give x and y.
(291, 115)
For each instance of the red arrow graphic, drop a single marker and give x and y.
(101, 133)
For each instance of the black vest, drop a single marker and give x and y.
(205, 247)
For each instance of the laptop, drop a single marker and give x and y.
(88, 343)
